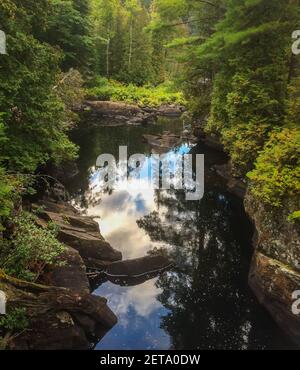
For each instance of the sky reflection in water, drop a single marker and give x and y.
(118, 212)
(205, 303)
(138, 311)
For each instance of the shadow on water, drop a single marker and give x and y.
(204, 302)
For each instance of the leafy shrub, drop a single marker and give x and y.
(295, 216)
(15, 320)
(69, 89)
(277, 171)
(243, 142)
(145, 96)
(30, 250)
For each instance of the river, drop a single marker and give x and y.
(205, 301)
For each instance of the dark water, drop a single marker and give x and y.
(205, 301)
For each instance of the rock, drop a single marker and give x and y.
(58, 317)
(136, 271)
(235, 185)
(136, 121)
(89, 246)
(211, 141)
(56, 332)
(63, 314)
(57, 207)
(170, 110)
(71, 274)
(79, 232)
(274, 283)
(108, 108)
(275, 235)
(275, 269)
(116, 113)
(163, 143)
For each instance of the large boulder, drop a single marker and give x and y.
(71, 273)
(274, 284)
(58, 318)
(79, 232)
(89, 246)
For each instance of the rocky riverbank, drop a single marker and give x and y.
(118, 113)
(61, 309)
(275, 268)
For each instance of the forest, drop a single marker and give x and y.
(228, 62)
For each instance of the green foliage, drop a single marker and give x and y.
(6, 197)
(7, 184)
(131, 94)
(15, 320)
(295, 216)
(70, 29)
(128, 48)
(276, 176)
(30, 250)
(69, 88)
(250, 86)
(238, 67)
(35, 122)
(293, 103)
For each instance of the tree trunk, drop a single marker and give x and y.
(107, 57)
(130, 44)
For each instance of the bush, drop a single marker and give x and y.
(145, 96)
(30, 250)
(15, 320)
(6, 197)
(276, 176)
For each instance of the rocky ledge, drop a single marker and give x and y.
(118, 113)
(275, 268)
(62, 311)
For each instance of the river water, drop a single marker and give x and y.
(205, 301)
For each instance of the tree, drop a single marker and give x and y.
(69, 28)
(249, 52)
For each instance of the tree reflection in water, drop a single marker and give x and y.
(209, 302)
(206, 301)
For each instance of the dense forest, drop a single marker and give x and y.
(230, 62)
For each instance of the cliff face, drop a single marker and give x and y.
(275, 269)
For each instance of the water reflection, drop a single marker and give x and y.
(118, 210)
(205, 302)
(139, 314)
